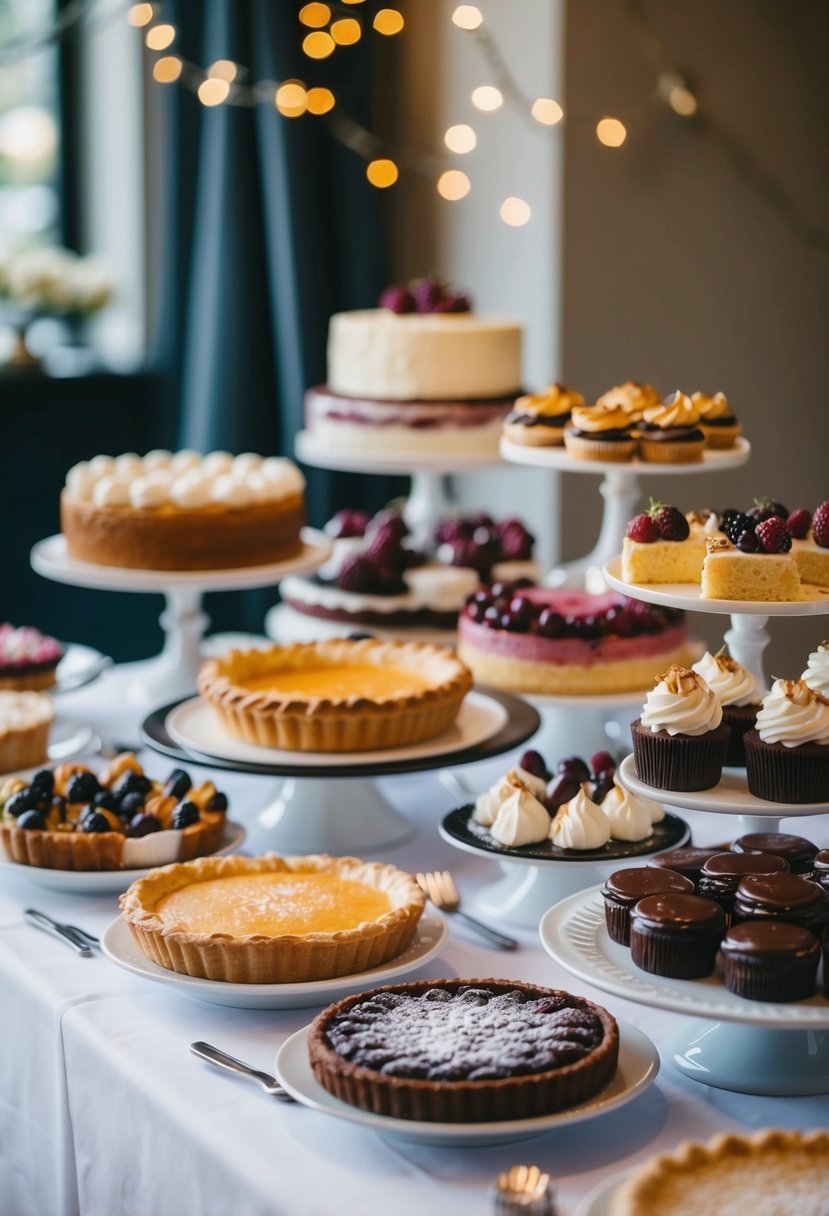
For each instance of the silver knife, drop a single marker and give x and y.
(64, 932)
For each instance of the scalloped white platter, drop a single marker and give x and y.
(319, 455)
(118, 945)
(560, 459)
(574, 933)
(638, 1067)
(815, 599)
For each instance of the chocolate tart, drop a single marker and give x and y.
(770, 961)
(787, 774)
(787, 897)
(269, 920)
(679, 762)
(336, 696)
(518, 1051)
(676, 935)
(624, 888)
(796, 850)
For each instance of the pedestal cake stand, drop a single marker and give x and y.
(750, 1047)
(173, 671)
(620, 488)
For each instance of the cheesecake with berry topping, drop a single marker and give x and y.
(542, 641)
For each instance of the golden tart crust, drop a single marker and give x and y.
(433, 684)
(281, 959)
(730, 1174)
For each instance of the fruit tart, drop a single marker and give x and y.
(71, 818)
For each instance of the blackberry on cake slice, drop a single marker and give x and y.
(662, 545)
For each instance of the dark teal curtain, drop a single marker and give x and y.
(269, 226)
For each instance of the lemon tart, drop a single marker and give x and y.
(272, 920)
(336, 696)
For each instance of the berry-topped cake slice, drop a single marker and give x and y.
(810, 543)
(752, 560)
(662, 545)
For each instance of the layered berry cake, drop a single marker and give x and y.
(28, 659)
(380, 576)
(464, 1051)
(418, 373)
(530, 639)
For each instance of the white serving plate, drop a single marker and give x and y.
(79, 666)
(688, 596)
(194, 726)
(118, 945)
(713, 460)
(638, 1066)
(311, 451)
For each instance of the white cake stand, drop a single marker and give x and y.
(430, 499)
(748, 636)
(173, 672)
(620, 489)
(285, 625)
(751, 1047)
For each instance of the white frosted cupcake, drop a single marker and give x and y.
(739, 694)
(787, 755)
(680, 740)
(816, 674)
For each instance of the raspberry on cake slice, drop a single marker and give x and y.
(664, 546)
(810, 544)
(731, 573)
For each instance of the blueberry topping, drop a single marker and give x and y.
(20, 802)
(133, 783)
(131, 804)
(58, 805)
(144, 823)
(177, 784)
(82, 787)
(43, 783)
(218, 802)
(32, 821)
(96, 822)
(185, 814)
(106, 800)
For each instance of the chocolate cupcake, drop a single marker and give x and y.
(539, 419)
(770, 961)
(721, 874)
(785, 897)
(676, 935)
(624, 888)
(670, 433)
(787, 756)
(633, 397)
(600, 433)
(796, 850)
(717, 420)
(680, 740)
(740, 695)
(820, 869)
(688, 861)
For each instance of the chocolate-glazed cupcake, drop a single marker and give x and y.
(716, 420)
(739, 693)
(796, 850)
(721, 874)
(820, 869)
(688, 861)
(539, 419)
(782, 897)
(680, 740)
(599, 432)
(676, 935)
(624, 888)
(670, 433)
(770, 961)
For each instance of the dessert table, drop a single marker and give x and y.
(103, 1109)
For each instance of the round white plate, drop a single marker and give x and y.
(597, 1203)
(79, 666)
(573, 932)
(815, 601)
(194, 726)
(638, 1066)
(68, 739)
(559, 458)
(50, 559)
(310, 451)
(285, 625)
(729, 797)
(118, 944)
(106, 882)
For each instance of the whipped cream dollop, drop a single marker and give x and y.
(634, 398)
(111, 491)
(21, 709)
(676, 410)
(628, 814)
(580, 824)
(731, 683)
(521, 820)
(597, 418)
(552, 402)
(792, 713)
(681, 704)
(816, 674)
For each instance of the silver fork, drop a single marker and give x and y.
(439, 887)
(81, 941)
(524, 1188)
(213, 1055)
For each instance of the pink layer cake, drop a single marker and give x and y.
(568, 642)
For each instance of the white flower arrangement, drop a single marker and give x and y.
(54, 282)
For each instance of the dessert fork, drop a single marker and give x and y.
(80, 941)
(439, 887)
(213, 1055)
(524, 1188)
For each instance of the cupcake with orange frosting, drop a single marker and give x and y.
(716, 420)
(633, 397)
(670, 433)
(600, 433)
(539, 419)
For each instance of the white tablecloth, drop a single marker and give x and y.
(104, 1112)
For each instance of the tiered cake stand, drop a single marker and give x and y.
(173, 672)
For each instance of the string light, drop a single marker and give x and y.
(212, 92)
(318, 45)
(611, 132)
(487, 97)
(159, 37)
(515, 211)
(547, 111)
(346, 31)
(223, 69)
(167, 69)
(140, 15)
(291, 99)
(460, 138)
(674, 89)
(388, 21)
(315, 15)
(382, 173)
(319, 101)
(453, 184)
(467, 17)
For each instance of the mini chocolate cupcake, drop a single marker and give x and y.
(740, 695)
(676, 935)
(717, 420)
(787, 756)
(670, 433)
(770, 961)
(785, 897)
(624, 888)
(721, 874)
(680, 740)
(797, 850)
(688, 861)
(634, 398)
(539, 419)
(600, 433)
(820, 869)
